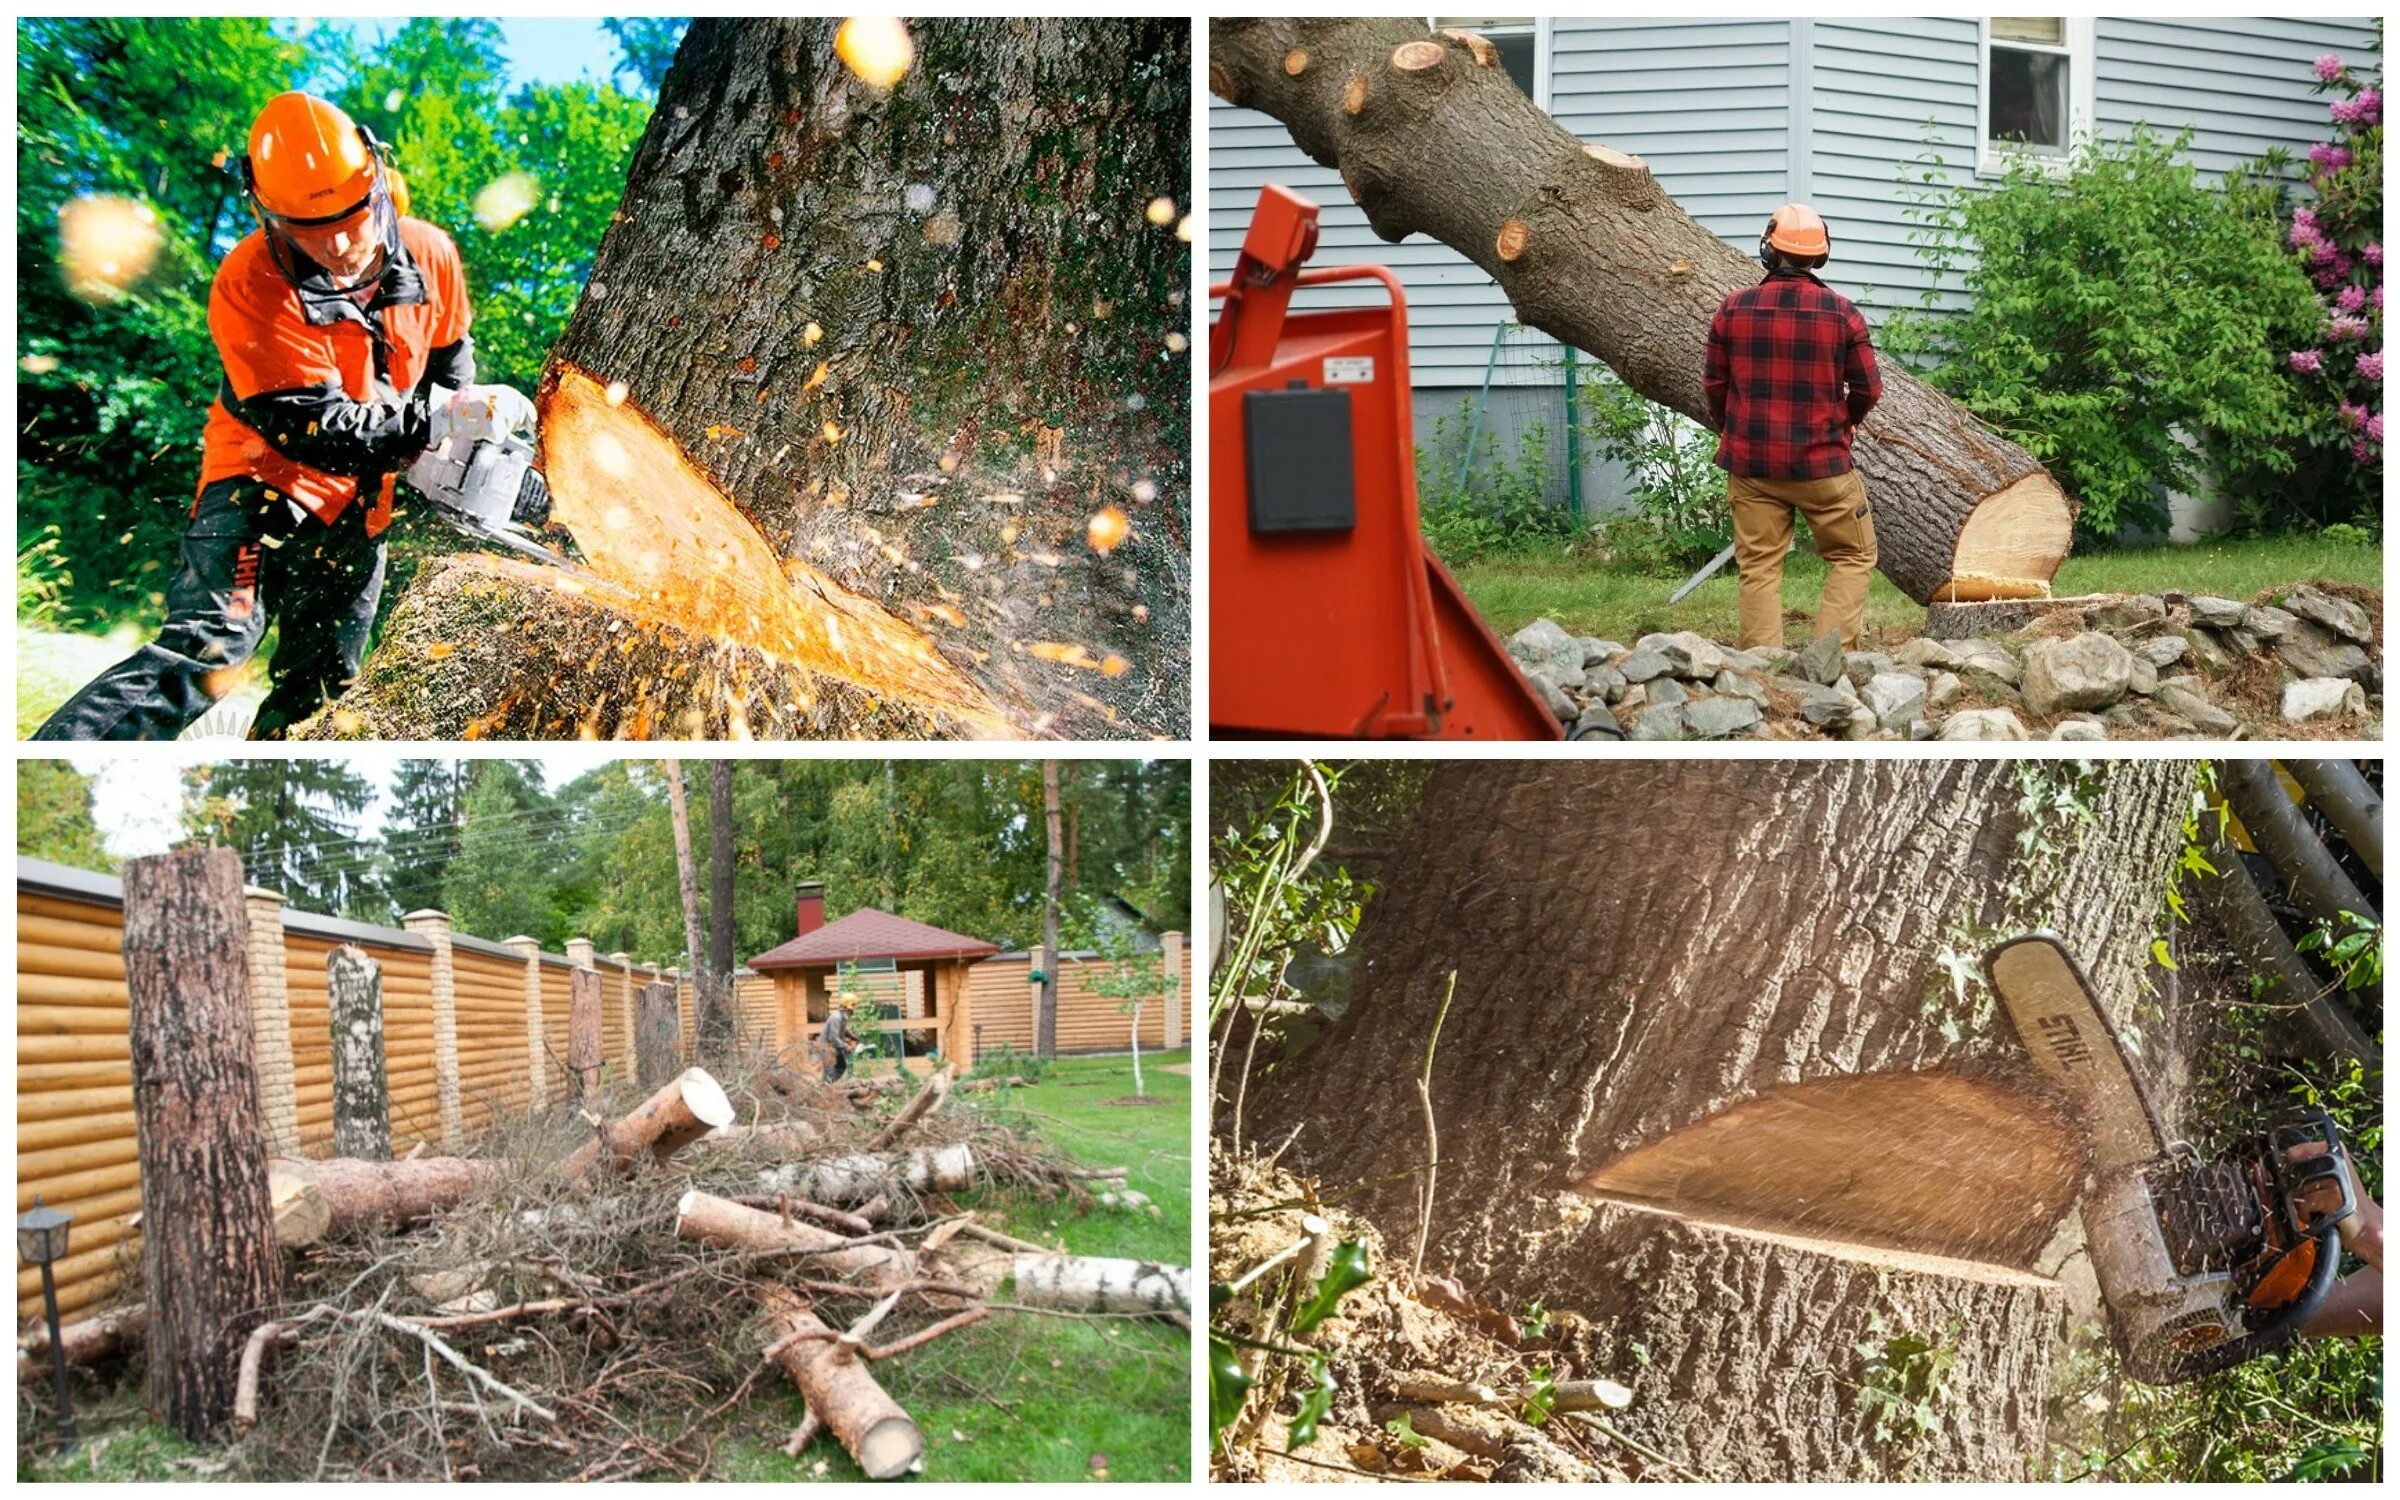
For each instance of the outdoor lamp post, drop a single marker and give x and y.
(42, 1239)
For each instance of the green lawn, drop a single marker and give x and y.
(1593, 598)
(1017, 1397)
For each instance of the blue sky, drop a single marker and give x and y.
(539, 51)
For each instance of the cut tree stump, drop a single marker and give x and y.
(686, 1109)
(210, 1267)
(1592, 252)
(1094, 1283)
(362, 1115)
(840, 1391)
(314, 1199)
(657, 1035)
(861, 1176)
(583, 1034)
(706, 1219)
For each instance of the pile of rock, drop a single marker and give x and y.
(2141, 666)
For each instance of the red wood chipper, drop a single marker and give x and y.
(1329, 616)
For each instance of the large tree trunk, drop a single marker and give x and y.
(1045, 1019)
(1705, 1083)
(881, 361)
(362, 1115)
(1432, 137)
(657, 1035)
(584, 1047)
(839, 1391)
(210, 1266)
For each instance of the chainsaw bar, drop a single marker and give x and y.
(515, 541)
(2074, 1046)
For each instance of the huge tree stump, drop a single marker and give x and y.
(687, 1108)
(840, 1392)
(583, 1034)
(705, 1219)
(1652, 1058)
(657, 1034)
(886, 385)
(313, 1199)
(1431, 138)
(210, 1267)
(362, 1115)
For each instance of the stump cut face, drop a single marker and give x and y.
(1914, 1165)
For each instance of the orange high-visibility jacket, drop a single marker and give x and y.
(316, 395)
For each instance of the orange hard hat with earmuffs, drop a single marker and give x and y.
(1795, 230)
(320, 188)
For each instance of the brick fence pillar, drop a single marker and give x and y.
(623, 964)
(1170, 973)
(434, 928)
(537, 1071)
(271, 1022)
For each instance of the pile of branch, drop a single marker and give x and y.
(586, 1297)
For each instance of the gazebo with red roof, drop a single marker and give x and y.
(929, 987)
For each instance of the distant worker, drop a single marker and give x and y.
(341, 324)
(839, 1040)
(1790, 372)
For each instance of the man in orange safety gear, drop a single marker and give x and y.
(341, 325)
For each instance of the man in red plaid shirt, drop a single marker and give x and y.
(1790, 372)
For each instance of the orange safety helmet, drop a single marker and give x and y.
(319, 186)
(1795, 230)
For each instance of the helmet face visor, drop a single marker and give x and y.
(350, 248)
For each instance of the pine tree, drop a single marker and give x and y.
(295, 824)
(426, 811)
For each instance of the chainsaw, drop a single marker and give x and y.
(2203, 1265)
(488, 488)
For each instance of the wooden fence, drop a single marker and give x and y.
(473, 1030)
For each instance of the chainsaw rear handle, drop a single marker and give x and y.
(2276, 1334)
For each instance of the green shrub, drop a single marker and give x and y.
(1501, 506)
(2122, 321)
(1008, 1062)
(1679, 519)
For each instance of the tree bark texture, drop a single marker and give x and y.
(687, 1108)
(1100, 1284)
(313, 1199)
(210, 1267)
(1432, 140)
(863, 1176)
(720, 867)
(840, 1391)
(1648, 953)
(87, 1341)
(584, 1007)
(362, 1114)
(920, 337)
(1045, 1018)
(657, 1035)
(705, 1219)
(687, 878)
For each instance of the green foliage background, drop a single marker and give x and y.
(112, 395)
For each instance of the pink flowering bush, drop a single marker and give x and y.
(2336, 364)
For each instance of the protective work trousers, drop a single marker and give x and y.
(247, 558)
(1844, 527)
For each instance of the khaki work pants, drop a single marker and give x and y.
(1844, 526)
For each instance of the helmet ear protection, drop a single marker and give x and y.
(1767, 251)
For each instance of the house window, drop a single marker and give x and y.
(2036, 87)
(1522, 43)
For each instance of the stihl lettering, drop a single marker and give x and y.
(2065, 1040)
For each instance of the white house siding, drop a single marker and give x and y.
(2242, 83)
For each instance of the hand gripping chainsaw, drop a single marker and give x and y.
(2204, 1265)
(489, 489)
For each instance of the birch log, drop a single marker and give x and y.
(1093, 1283)
(362, 1110)
(859, 1177)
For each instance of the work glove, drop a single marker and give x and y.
(479, 411)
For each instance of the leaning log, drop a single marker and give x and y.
(861, 1176)
(209, 1264)
(928, 1101)
(314, 1199)
(706, 1219)
(87, 1341)
(840, 1392)
(1432, 139)
(1094, 1283)
(686, 1109)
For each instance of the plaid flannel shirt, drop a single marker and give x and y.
(1790, 371)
